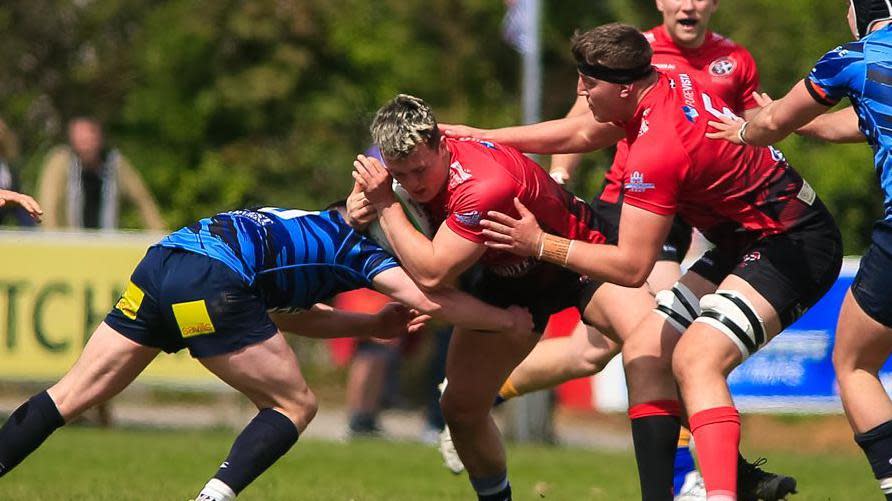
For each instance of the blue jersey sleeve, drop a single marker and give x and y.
(835, 73)
(372, 259)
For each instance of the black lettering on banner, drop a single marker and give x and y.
(12, 296)
(43, 296)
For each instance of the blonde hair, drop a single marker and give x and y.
(402, 124)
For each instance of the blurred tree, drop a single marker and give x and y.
(238, 102)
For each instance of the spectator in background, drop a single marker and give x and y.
(82, 183)
(9, 152)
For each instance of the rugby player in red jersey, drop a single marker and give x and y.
(777, 247)
(459, 181)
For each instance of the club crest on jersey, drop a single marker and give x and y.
(721, 67)
(457, 174)
(690, 113)
(471, 218)
(636, 183)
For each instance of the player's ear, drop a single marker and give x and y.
(625, 90)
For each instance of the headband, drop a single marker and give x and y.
(613, 75)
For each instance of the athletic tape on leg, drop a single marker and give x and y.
(732, 314)
(678, 305)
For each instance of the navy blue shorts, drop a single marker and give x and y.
(178, 299)
(871, 287)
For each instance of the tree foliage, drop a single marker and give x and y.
(247, 102)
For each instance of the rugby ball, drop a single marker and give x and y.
(415, 212)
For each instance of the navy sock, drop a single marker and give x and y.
(26, 429)
(494, 488)
(266, 438)
(877, 446)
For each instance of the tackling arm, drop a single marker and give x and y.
(451, 305)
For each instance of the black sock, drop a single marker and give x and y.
(494, 488)
(656, 439)
(877, 446)
(26, 429)
(269, 435)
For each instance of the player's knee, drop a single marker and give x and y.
(678, 305)
(300, 406)
(459, 412)
(847, 361)
(732, 314)
(688, 364)
(593, 359)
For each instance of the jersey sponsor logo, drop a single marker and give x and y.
(193, 318)
(665, 66)
(636, 183)
(471, 218)
(722, 67)
(130, 301)
(457, 174)
(687, 89)
(690, 113)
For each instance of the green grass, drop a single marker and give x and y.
(91, 464)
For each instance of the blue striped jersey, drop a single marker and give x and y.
(296, 258)
(862, 71)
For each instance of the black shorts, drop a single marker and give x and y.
(178, 299)
(543, 288)
(871, 287)
(675, 247)
(792, 270)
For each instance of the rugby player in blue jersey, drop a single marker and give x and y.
(208, 287)
(862, 71)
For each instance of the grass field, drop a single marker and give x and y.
(91, 464)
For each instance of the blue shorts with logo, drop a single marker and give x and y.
(178, 299)
(871, 285)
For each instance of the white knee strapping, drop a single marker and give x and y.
(678, 305)
(732, 314)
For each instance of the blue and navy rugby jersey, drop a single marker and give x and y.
(862, 70)
(296, 258)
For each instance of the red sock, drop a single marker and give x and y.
(717, 435)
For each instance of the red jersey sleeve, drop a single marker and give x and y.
(471, 201)
(654, 170)
(749, 80)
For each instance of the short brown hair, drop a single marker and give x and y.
(402, 124)
(617, 46)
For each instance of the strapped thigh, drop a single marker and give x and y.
(732, 314)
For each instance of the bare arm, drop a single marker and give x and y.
(837, 127)
(323, 321)
(774, 122)
(24, 201)
(431, 263)
(641, 236)
(451, 305)
(563, 165)
(576, 134)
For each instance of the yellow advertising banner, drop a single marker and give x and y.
(55, 288)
